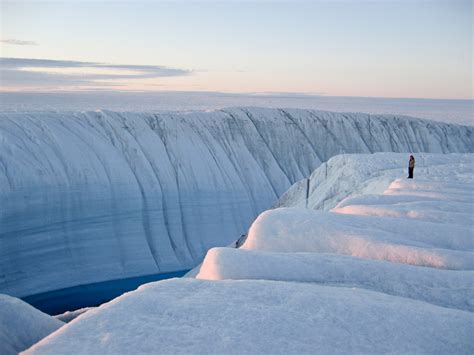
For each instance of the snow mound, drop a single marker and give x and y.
(198, 316)
(92, 196)
(409, 241)
(454, 289)
(21, 325)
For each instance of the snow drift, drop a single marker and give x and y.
(447, 288)
(261, 317)
(93, 196)
(22, 325)
(410, 242)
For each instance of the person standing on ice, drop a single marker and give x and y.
(411, 166)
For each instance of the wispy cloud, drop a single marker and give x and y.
(47, 73)
(18, 42)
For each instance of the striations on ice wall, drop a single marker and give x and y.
(94, 196)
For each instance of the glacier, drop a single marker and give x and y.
(94, 196)
(339, 281)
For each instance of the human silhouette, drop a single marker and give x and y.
(411, 166)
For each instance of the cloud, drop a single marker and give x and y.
(42, 63)
(47, 73)
(18, 42)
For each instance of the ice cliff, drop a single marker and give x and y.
(94, 196)
(383, 272)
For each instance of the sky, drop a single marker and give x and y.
(412, 49)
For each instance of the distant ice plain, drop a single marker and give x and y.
(451, 111)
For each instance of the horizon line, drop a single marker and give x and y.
(227, 93)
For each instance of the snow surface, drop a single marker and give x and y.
(410, 242)
(261, 317)
(68, 316)
(452, 111)
(447, 288)
(305, 281)
(21, 325)
(93, 196)
(348, 175)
